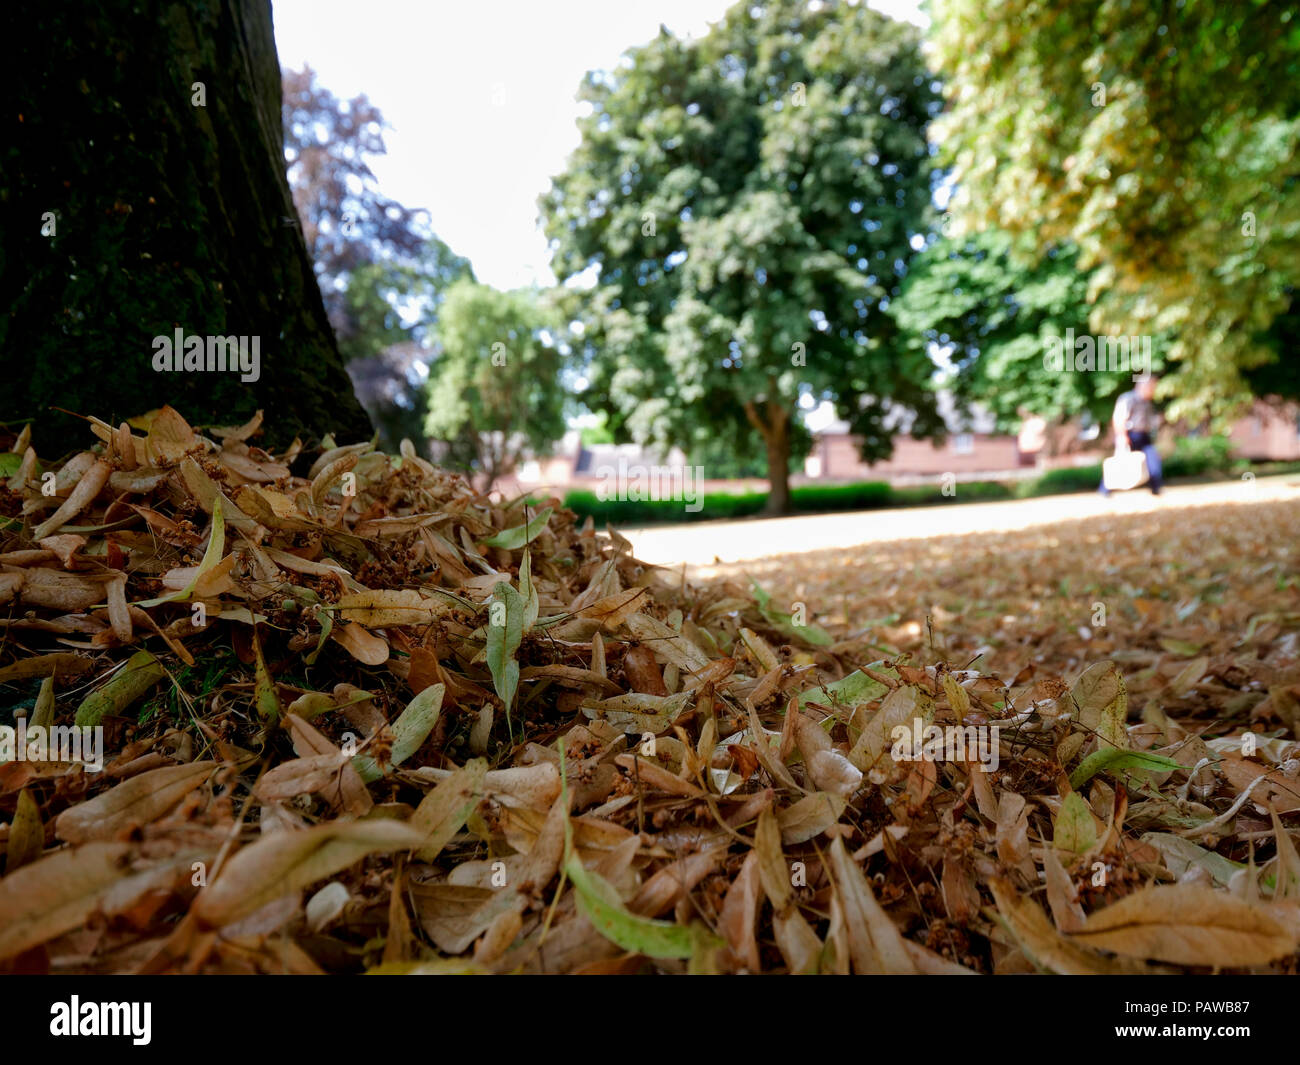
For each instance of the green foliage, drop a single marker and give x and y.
(1161, 140)
(1114, 758)
(749, 198)
(392, 301)
(867, 495)
(494, 391)
(923, 495)
(1194, 455)
(631, 512)
(995, 311)
(517, 536)
(390, 312)
(382, 273)
(597, 434)
(504, 635)
(741, 454)
(1281, 376)
(808, 499)
(1062, 481)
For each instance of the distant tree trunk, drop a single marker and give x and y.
(144, 138)
(774, 427)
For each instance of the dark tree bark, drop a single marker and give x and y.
(167, 215)
(778, 468)
(773, 425)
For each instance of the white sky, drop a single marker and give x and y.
(480, 95)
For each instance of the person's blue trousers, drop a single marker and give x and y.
(1143, 442)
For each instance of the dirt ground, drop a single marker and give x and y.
(703, 547)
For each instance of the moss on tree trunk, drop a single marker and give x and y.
(166, 215)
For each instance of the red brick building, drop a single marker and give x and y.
(973, 446)
(1271, 432)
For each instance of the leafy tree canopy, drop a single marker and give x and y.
(994, 315)
(393, 301)
(381, 269)
(495, 391)
(390, 314)
(745, 204)
(345, 220)
(1159, 138)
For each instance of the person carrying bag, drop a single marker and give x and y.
(1136, 460)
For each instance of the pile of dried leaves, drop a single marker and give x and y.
(360, 717)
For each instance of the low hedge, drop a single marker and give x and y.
(807, 499)
(1060, 481)
(824, 498)
(924, 495)
(631, 512)
(1192, 457)
(1197, 455)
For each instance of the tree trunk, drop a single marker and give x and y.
(166, 215)
(773, 426)
(778, 473)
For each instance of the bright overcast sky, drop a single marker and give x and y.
(480, 96)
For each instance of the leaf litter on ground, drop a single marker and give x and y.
(360, 717)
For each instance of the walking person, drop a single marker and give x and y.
(1135, 422)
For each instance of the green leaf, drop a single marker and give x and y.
(812, 634)
(854, 690)
(1102, 699)
(1074, 829)
(516, 536)
(529, 591)
(600, 903)
(1112, 758)
(505, 631)
(443, 812)
(141, 672)
(326, 618)
(410, 730)
(216, 547)
(266, 696)
(1182, 854)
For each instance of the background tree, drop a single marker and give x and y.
(1162, 140)
(495, 393)
(745, 203)
(382, 270)
(346, 221)
(392, 312)
(992, 312)
(721, 458)
(144, 190)
(1280, 377)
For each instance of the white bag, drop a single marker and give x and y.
(1125, 470)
